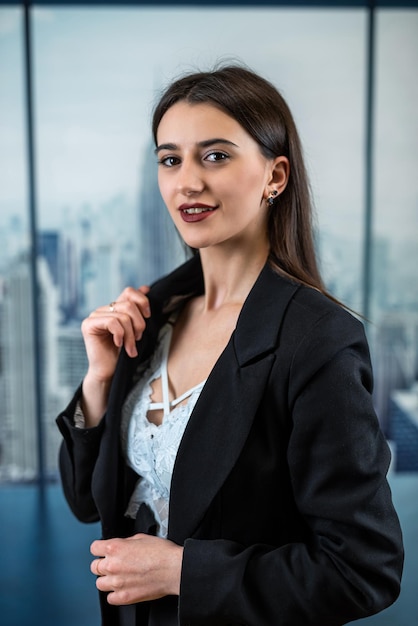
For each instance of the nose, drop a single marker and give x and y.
(190, 179)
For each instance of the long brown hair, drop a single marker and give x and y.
(262, 111)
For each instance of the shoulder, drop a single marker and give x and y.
(319, 335)
(308, 321)
(310, 306)
(297, 304)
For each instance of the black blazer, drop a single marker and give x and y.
(279, 491)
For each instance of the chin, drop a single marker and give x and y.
(197, 242)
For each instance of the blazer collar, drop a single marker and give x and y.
(261, 316)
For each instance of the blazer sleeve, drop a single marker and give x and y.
(349, 566)
(77, 459)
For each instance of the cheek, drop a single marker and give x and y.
(164, 188)
(254, 178)
(160, 180)
(251, 189)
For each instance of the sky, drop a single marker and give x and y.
(98, 72)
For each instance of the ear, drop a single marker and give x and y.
(279, 176)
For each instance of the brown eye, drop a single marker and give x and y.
(169, 161)
(213, 157)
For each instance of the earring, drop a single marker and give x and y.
(272, 197)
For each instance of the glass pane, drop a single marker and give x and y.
(18, 453)
(393, 330)
(102, 221)
(395, 245)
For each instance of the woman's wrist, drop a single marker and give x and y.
(175, 569)
(93, 401)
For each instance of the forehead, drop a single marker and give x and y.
(186, 122)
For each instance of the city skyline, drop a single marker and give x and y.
(70, 285)
(92, 147)
(100, 215)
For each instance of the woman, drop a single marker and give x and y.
(224, 433)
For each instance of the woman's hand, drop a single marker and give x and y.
(137, 568)
(110, 327)
(105, 331)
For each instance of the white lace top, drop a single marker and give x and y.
(151, 450)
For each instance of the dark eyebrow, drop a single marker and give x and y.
(202, 144)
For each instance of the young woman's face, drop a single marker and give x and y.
(212, 177)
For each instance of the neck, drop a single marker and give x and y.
(228, 276)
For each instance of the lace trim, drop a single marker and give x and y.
(151, 449)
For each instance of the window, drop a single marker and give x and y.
(101, 220)
(18, 428)
(101, 223)
(395, 235)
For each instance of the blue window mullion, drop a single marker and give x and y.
(33, 235)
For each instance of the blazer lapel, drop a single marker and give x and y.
(223, 416)
(111, 480)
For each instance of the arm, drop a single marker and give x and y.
(77, 459)
(105, 332)
(349, 563)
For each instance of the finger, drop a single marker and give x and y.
(127, 328)
(118, 328)
(137, 308)
(138, 297)
(98, 547)
(97, 567)
(138, 314)
(126, 325)
(136, 536)
(121, 598)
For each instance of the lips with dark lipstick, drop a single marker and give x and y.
(196, 212)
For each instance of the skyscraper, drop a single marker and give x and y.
(161, 248)
(19, 430)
